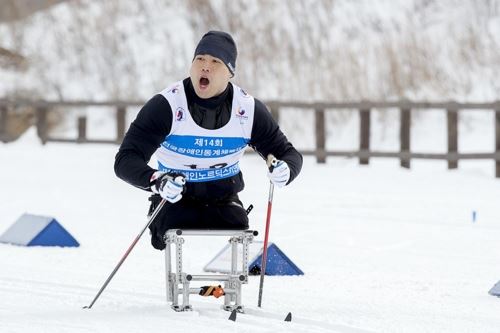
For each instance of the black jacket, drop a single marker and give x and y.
(153, 124)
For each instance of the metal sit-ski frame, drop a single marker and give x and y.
(178, 283)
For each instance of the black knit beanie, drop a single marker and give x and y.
(221, 45)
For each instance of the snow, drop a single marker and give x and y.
(383, 249)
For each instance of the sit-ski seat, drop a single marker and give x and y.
(178, 283)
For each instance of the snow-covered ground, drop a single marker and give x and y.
(383, 249)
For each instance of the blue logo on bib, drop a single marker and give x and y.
(204, 147)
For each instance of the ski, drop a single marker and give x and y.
(234, 314)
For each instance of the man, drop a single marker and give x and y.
(199, 128)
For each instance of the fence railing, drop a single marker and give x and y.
(364, 153)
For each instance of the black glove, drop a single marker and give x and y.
(169, 186)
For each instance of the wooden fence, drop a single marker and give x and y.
(364, 108)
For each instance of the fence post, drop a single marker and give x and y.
(41, 123)
(4, 117)
(404, 136)
(275, 112)
(121, 112)
(364, 142)
(452, 116)
(320, 136)
(82, 129)
(497, 144)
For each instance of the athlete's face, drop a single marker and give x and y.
(209, 76)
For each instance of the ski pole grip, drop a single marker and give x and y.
(271, 162)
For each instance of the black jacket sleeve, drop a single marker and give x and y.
(267, 138)
(146, 133)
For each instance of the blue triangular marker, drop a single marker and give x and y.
(35, 230)
(277, 263)
(495, 291)
(54, 235)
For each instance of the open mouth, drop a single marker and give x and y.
(204, 82)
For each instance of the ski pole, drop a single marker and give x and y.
(155, 212)
(271, 163)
